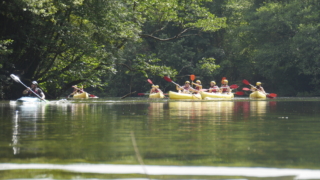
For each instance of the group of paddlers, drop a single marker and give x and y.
(198, 87)
(187, 88)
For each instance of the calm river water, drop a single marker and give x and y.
(137, 138)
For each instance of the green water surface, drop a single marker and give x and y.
(279, 133)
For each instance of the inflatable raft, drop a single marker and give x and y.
(207, 96)
(258, 94)
(83, 95)
(176, 95)
(156, 95)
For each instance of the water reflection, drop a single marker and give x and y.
(30, 113)
(193, 110)
(207, 133)
(156, 110)
(249, 172)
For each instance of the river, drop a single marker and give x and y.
(138, 138)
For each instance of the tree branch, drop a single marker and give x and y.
(168, 39)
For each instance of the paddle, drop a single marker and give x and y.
(170, 80)
(246, 89)
(192, 77)
(17, 79)
(149, 80)
(234, 86)
(269, 95)
(240, 93)
(223, 78)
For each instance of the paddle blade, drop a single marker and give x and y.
(192, 77)
(272, 95)
(240, 93)
(149, 80)
(140, 94)
(15, 78)
(93, 96)
(234, 86)
(246, 89)
(167, 78)
(245, 82)
(223, 78)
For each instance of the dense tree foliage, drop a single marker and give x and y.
(114, 46)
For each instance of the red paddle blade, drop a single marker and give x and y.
(240, 93)
(149, 80)
(167, 78)
(223, 78)
(272, 95)
(245, 82)
(246, 89)
(91, 95)
(234, 86)
(140, 94)
(192, 77)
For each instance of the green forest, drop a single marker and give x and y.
(113, 46)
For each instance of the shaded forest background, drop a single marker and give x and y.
(112, 47)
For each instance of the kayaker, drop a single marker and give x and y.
(224, 87)
(155, 89)
(77, 90)
(213, 87)
(258, 87)
(34, 88)
(187, 89)
(198, 86)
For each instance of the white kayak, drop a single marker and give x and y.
(27, 99)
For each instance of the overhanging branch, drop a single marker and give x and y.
(180, 35)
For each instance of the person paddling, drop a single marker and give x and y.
(155, 89)
(198, 86)
(76, 90)
(213, 87)
(186, 88)
(224, 87)
(34, 88)
(258, 87)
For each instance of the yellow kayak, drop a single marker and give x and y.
(83, 95)
(258, 94)
(156, 95)
(207, 95)
(176, 95)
